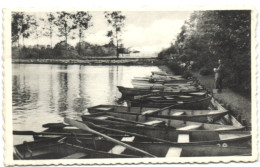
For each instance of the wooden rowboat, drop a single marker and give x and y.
(204, 116)
(156, 90)
(231, 138)
(137, 83)
(181, 104)
(161, 77)
(55, 148)
(173, 98)
(51, 149)
(127, 142)
(168, 150)
(153, 80)
(163, 73)
(138, 120)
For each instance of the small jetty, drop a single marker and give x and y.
(165, 116)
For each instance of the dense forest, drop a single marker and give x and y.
(64, 26)
(211, 35)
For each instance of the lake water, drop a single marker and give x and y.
(48, 93)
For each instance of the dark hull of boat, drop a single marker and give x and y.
(133, 118)
(198, 136)
(104, 149)
(162, 150)
(206, 118)
(142, 91)
(156, 81)
(51, 149)
(202, 104)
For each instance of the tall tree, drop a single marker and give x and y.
(21, 23)
(36, 28)
(82, 21)
(65, 26)
(117, 21)
(49, 26)
(213, 35)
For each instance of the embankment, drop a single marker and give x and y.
(93, 61)
(239, 105)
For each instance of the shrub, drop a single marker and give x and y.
(205, 71)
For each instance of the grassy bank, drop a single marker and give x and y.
(239, 105)
(92, 61)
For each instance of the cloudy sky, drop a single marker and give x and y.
(145, 31)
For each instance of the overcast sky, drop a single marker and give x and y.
(145, 31)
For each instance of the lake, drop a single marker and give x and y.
(44, 93)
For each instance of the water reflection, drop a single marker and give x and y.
(47, 93)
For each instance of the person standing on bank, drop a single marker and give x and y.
(219, 76)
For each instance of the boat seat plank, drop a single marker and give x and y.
(154, 98)
(148, 112)
(75, 156)
(178, 113)
(190, 127)
(185, 96)
(198, 93)
(128, 139)
(174, 152)
(104, 108)
(183, 138)
(231, 136)
(227, 128)
(37, 153)
(215, 112)
(155, 122)
(118, 149)
(169, 98)
(102, 117)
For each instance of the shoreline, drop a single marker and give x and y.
(237, 104)
(92, 61)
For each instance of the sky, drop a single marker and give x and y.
(146, 31)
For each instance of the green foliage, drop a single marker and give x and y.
(49, 26)
(82, 21)
(65, 25)
(64, 51)
(205, 71)
(89, 50)
(20, 26)
(212, 35)
(117, 21)
(167, 53)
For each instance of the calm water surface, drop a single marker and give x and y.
(48, 93)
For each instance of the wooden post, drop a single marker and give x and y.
(244, 123)
(128, 106)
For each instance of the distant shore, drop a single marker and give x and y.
(92, 61)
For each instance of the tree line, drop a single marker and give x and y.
(211, 35)
(66, 26)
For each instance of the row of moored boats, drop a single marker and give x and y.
(165, 116)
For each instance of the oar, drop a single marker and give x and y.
(86, 128)
(49, 133)
(115, 121)
(147, 95)
(127, 121)
(25, 133)
(128, 133)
